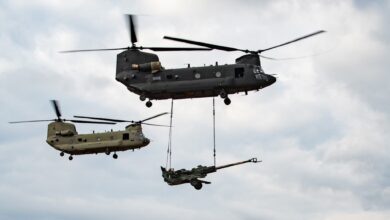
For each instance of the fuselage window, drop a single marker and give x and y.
(169, 76)
(126, 136)
(239, 72)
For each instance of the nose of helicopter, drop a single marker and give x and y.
(146, 141)
(271, 79)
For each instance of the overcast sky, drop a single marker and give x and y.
(322, 130)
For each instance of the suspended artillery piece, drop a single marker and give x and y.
(63, 136)
(192, 176)
(143, 74)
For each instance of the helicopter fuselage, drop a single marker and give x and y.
(141, 74)
(64, 137)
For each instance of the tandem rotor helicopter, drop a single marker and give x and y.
(143, 74)
(63, 136)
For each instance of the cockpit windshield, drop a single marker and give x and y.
(258, 71)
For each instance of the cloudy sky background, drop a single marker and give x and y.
(321, 130)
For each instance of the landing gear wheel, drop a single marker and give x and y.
(107, 152)
(142, 97)
(115, 156)
(227, 101)
(149, 104)
(223, 94)
(62, 154)
(70, 157)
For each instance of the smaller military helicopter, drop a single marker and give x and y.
(192, 176)
(63, 136)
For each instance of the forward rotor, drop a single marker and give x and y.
(229, 49)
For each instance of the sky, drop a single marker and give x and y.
(321, 130)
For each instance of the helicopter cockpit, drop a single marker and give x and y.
(258, 71)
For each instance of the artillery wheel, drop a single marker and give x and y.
(197, 185)
(115, 156)
(62, 154)
(227, 101)
(149, 104)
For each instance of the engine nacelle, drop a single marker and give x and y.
(65, 133)
(152, 67)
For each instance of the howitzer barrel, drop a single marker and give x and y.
(253, 160)
(210, 169)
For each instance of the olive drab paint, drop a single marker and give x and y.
(64, 137)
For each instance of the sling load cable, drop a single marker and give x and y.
(214, 132)
(169, 150)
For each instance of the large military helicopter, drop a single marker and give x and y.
(143, 74)
(63, 136)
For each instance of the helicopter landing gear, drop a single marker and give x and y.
(149, 104)
(223, 94)
(225, 97)
(227, 101)
(196, 184)
(70, 157)
(62, 154)
(107, 152)
(115, 156)
(142, 97)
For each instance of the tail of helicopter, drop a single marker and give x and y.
(134, 59)
(61, 129)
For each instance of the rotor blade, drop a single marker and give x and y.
(141, 48)
(292, 41)
(133, 35)
(103, 119)
(91, 122)
(155, 125)
(15, 122)
(56, 108)
(89, 50)
(174, 48)
(213, 46)
(147, 119)
(269, 58)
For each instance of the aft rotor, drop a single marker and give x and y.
(133, 40)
